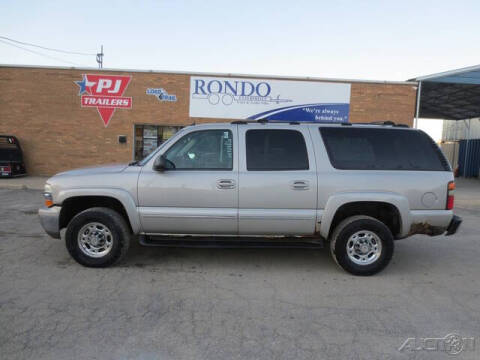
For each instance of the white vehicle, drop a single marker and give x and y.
(356, 187)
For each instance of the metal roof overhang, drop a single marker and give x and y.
(450, 95)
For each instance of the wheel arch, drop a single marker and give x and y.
(77, 200)
(390, 208)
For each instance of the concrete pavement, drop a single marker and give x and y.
(233, 304)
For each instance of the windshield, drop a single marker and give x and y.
(9, 150)
(153, 153)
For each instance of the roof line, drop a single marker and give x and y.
(446, 73)
(409, 82)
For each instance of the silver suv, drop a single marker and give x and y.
(356, 187)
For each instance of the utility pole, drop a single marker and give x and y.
(100, 58)
(417, 107)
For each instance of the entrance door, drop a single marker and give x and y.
(278, 181)
(198, 194)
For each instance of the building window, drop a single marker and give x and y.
(149, 137)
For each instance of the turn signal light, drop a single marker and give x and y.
(450, 196)
(48, 199)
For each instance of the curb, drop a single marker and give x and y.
(13, 186)
(18, 187)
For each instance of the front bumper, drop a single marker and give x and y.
(454, 224)
(50, 220)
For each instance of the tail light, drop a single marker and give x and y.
(6, 169)
(450, 196)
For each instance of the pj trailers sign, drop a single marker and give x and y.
(254, 99)
(104, 92)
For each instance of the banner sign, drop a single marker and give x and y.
(104, 92)
(255, 99)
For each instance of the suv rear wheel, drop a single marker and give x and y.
(362, 245)
(97, 237)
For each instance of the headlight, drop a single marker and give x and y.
(47, 195)
(47, 188)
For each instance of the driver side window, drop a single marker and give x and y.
(202, 150)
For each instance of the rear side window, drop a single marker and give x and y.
(9, 149)
(382, 149)
(269, 150)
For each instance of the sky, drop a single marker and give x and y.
(375, 40)
(382, 40)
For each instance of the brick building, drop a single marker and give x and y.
(67, 118)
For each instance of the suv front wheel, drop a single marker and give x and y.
(97, 237)
(362, 245)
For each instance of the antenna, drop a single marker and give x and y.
(100, 58)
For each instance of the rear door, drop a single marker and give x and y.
(277, 179)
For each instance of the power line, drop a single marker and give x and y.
(46, 48)
(38, 53)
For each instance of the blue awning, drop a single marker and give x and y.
(450, 95)
(468, 75)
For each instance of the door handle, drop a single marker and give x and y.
(226, 184)
(299, 185)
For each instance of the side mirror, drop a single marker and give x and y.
(160, 164)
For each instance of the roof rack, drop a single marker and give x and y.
(390, 123)
(266, 121)
(292, 122)
(385, 123)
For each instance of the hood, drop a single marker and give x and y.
(94, 170)
(80, 181)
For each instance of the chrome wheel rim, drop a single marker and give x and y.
(364, 247)
(95, 239)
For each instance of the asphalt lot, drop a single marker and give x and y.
(233, 304)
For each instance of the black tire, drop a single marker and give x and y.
(355, 225)
(119, 236)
